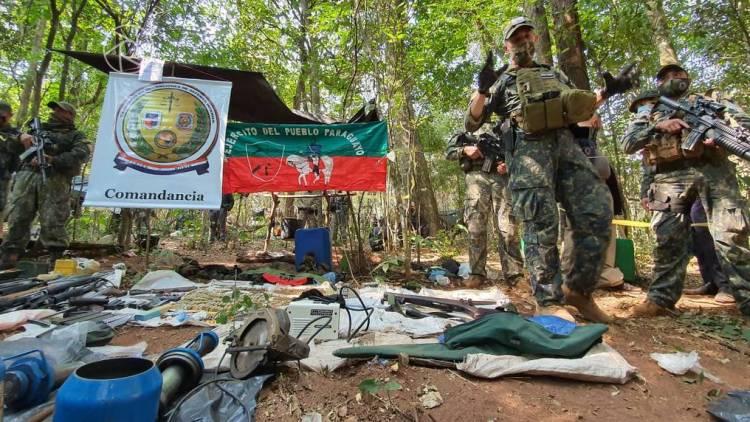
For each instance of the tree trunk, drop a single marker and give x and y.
(418, 187)
(569, 40)
(537, 12)
(54, 23)
(655, 11)
(739, 17)
(302, 96)
(28, 85)
(68, 44)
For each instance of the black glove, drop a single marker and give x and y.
(625, 80)
(487, 76)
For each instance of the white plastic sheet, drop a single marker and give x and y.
(321, 356)
(680, 363)
(163, 280)
(382, 320)
(108, 352)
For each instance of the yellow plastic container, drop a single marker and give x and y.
(66, 266)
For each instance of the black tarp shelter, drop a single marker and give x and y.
(253, 99)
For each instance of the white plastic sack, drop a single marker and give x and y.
(601, 364)
(11, 320)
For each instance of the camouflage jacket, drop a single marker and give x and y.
(641, 129)
(69, 148)
(8, 160)
(503, 99)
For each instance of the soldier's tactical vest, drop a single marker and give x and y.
(547, 103)
(665, 147)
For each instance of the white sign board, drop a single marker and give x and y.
(160, 144)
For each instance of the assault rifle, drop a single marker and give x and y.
(466, 306)
(705, 118)
(492, 149)
(41, 140)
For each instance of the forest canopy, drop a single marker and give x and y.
(417, 59)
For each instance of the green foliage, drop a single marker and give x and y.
(418, 59)
(720, 325)
(445, 243)
(235, 304)
(386, 265)
(373, 386)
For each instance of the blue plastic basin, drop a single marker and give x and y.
(112, 390)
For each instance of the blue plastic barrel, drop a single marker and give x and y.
(112, 390)
(316, 242)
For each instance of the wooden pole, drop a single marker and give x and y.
(148, 237)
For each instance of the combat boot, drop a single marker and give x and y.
(8, 261)
(555, 310)
(650, 309)
(586, 306)
(474, 281)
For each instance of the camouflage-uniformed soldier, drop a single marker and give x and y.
(8, 161)
(218, 218)
(487, 195)
(310, 210)
(546, 165)
(338, 214)
(66, 155)
(679, 177)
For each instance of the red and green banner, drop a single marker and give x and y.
(294, 158)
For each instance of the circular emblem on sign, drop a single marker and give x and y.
(166, 125)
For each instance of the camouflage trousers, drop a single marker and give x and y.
(218, 226)
(339, 221)
(674, 192)
(487, 195)
(29, 196)
(4, 190)
(547, 169)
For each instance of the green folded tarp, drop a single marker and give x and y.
(495, 334)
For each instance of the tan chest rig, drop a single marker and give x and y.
(665, 147)
(547, 103)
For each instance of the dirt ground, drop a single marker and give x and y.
(654, 395)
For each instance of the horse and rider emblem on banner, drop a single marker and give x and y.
(312, 163)
(166, 128)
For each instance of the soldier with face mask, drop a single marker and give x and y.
(679, 177)
(67, 153)
(537, 105)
